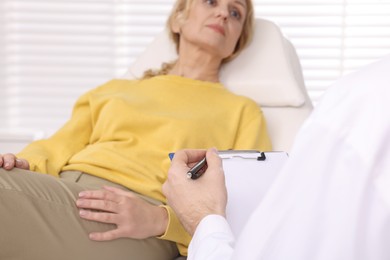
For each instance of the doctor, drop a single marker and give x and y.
(332, 199)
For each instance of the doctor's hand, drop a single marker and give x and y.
(133, 216)
(192, 200)
(9, 161)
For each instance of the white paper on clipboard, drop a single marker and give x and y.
(248, 175)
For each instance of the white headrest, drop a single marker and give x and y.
(262, 71)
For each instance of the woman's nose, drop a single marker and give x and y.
(223, 12)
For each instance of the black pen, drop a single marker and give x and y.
(198, 169)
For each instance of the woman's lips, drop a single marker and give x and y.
(217, 28)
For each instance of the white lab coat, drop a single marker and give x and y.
(332, 198)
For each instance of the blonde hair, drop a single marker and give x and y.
(180, 13)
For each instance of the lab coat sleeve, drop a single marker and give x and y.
(213, 240)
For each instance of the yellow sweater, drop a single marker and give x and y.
(123, 131)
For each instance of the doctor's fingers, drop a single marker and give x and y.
(188, 156)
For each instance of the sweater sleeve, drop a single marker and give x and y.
(175, 232)
(50, 155)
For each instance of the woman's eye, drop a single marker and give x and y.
(211, 2)
(235, 14)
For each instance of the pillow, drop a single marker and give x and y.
(262, 71)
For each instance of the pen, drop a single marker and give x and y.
(198, 169)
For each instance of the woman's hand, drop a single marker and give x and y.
(9, 161)
(192, 200)
(133, 216)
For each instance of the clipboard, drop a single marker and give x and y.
(248, 176)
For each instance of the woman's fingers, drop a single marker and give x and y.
(9, 161)
(103, 217)
(100, 195)
(22, 164)
(94, 204)
(102, 200)
(106, 236)
(118, 192)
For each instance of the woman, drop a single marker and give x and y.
(112, 155)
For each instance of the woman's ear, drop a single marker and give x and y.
(177, 22)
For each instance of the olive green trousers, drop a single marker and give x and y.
(39, 220)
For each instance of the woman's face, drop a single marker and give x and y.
(214, 25)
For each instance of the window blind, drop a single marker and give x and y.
(332, 37)
(54, 50)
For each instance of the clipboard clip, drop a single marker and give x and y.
(244, 154)
(261, 157)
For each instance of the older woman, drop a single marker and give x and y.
(111, 157)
